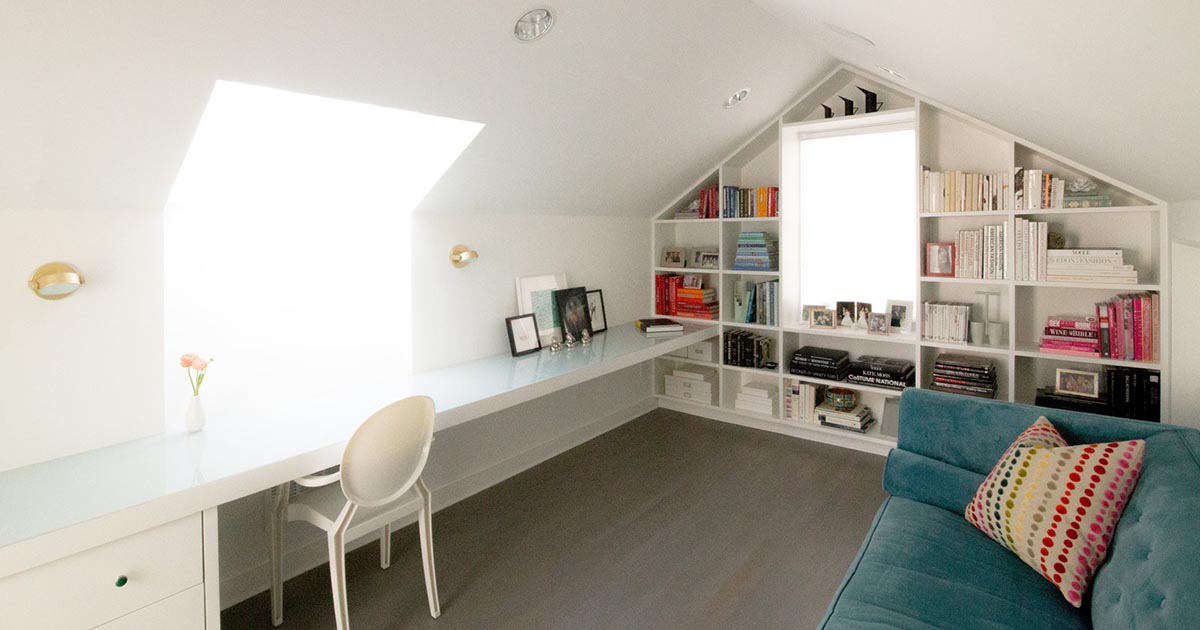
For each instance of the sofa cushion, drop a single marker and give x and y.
(1056, 506)
(922, 567)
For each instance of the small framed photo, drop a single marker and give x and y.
(674, 257)
(523, 334)
(595, 303)
(572, 305)
(939, 260)
(1077, 383)
(878, 323)
(822, 318)
(706, 259)
(846, 313)
(692, 281)
(899, 315)
(806, 311)
(862, 309)
(535, 294)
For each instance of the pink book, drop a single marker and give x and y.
(1071, 345)
(1137, 328)
(1077, 324)
(1073, 353)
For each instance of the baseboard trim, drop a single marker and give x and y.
(256, 579)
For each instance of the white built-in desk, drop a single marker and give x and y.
(62, 507)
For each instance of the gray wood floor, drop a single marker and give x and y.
(670, 521)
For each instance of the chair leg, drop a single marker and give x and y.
(425, 526)
(385, 546)
(337, 576)
(277, 519)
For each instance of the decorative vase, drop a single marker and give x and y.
(195, 415)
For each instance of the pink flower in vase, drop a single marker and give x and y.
(188, 360)
(200, 365)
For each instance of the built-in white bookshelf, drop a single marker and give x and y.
(1136, 222)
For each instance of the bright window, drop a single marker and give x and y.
(287, 250)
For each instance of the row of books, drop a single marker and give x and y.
(1035, 189)
(882, 372)
(956, 191)
(672, 298)
(859, 419)
(756, 302)
(759, 398)
(1030, 255)
(703, 207)
(756, 251)
(964, 374)
(1125, 328)
(948, 322)
(1128, 393)
(744, 348)
(980, 253)
(1089, 265)
(800, 399)
(751, 202)
(817, 362)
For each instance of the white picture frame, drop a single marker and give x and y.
(903, 323)
(535, 294)
(1079, 383)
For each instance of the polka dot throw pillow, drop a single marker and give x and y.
(1055, 505)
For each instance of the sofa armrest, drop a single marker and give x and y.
(929, 481)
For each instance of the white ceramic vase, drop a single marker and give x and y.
(195, 415)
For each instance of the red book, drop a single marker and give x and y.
(1147, 329)
(1137, 328)
(1114, 331)
(1070, 345)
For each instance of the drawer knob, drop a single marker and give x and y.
(122, 581)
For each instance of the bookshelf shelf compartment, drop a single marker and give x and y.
(940, 280)
(867, 389)
(974, 213)
(966, 347)
(1030, 351)
(854, 333)
(1087, 211)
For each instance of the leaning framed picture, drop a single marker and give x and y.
(674, 257)
(572, 306)
(822, 318)
(878, 323)
(535, 294)
(900, 314)
(1077, 383)
(596, 314)
(523, 334)
(939, 260)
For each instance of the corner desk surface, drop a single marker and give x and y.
(68, 504)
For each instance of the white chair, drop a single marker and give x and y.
(380, 482)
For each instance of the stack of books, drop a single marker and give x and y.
(799, 401)
(1072, 336)
(1130, 393)
(858, 419)
(665, 287)
(743, 348)
(981, 253)
(826, 363)
(703, 207)
(757, 398)
(1091, 199)
(696, 303)
(956, 191)
(882, 372)
(1089, 265)
(963, 374)
(1035, 189)
(756, 251)
(658, 326)
(756, 302)
(751, 202)
(948, 322)
(1030, 239)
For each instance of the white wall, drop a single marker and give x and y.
(1185, 304)
(82, 372)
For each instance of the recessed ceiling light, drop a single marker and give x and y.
(849, 34)
(892, 72)
(736, 97)
(533, 25)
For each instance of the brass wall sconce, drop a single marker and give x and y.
(461, 255)
(55, 281)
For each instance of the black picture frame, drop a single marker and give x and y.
(526, 348)
(595, 303)
(572, 308)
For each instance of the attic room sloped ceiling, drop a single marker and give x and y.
(614, 112)
(1110, 83)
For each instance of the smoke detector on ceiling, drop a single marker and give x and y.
(533, 25)
(736, 98)
(849, 34)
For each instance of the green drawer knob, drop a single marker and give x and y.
(122, 581)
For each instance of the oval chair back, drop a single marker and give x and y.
(387, 453)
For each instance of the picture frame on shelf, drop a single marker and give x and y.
(939, 260)
(1079, 383)
(823, 318)
(572, 307)
(846, 311)
(523, 335)
(596, 314)
(806, 312)
(878, 323)
(706, 259)
(899, 315)
(535, 294)
(863, 309)
(692, 281)
(674, 257)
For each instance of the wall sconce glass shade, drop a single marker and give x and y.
(55, 281)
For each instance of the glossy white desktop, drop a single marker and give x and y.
(64, 507)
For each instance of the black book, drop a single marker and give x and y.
(964, 362)
(1047, 398)
(817, 353)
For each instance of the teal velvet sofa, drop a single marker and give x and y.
(924, 566)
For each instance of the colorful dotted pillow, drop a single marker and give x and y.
(1056, 506)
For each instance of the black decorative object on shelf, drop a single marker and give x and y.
(828, 110)
(873, 103)
(850, 108)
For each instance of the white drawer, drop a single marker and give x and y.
(81, 591)
(182, 611)
(702, 351)
(678, 382)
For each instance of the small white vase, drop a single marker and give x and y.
(195, 415)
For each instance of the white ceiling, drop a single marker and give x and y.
(615, 112)
(1112, 84)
